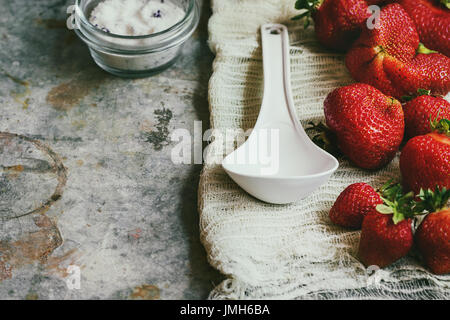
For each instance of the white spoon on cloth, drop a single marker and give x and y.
(278, 163)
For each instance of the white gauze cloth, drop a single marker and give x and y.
(286, 251)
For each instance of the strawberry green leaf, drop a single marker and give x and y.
(390, 191)
(397, 217)
(323, 137)
(424, 50)
(401, 205)
(446, 3)
(307, 4)
(307, 23)
(407, 205)
(442, 126)
(301, 4)
(406, 98)
(423, 92)
(386, 186)
(384, 209)
(432, 201)
(420, 92)
(302, 15)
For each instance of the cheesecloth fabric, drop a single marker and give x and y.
(286, 251)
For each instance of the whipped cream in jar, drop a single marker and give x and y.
(135, 38)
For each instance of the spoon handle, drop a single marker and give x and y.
(277, 104)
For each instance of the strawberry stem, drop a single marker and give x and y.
(442, 126)
(424, 50)
(407, 205)
(420, 92)
(396, 202)
(310, 6)
(423, 92)
(433, 201)
(323, 137)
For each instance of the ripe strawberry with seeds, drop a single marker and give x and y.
(382, 241)
(353, 204)
(386, 233)
(425, 160)
(368, 124)
(435, 69)
(337, 23)
(420, 110)
(432, 21)
(380, 50)
(428, 70)
(433, 234)
(387, 57)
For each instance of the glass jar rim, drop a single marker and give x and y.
(90, 26)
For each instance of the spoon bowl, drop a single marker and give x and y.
(278, 163)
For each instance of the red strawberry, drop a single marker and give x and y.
(433, 234)
(369, 125)
(430, 71)
(393, 43)
(435, 71)
(425, 160)
(337, 22)
(382, 241)
(433, 241)
(432, 21)
(386, 57)
(420, 110)
(353, 204)
(386, 234)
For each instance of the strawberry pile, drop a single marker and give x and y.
(385, 218)
(367, 123)
(390, 59)
(369, 127)
(388, 56)
(337, 22)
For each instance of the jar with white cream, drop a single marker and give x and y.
(135, 38)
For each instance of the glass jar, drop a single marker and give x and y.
(135, 56)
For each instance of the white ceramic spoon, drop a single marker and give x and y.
(278, 163)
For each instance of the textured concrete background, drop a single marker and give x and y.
(85, 172)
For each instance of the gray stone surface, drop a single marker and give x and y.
(86, 177)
